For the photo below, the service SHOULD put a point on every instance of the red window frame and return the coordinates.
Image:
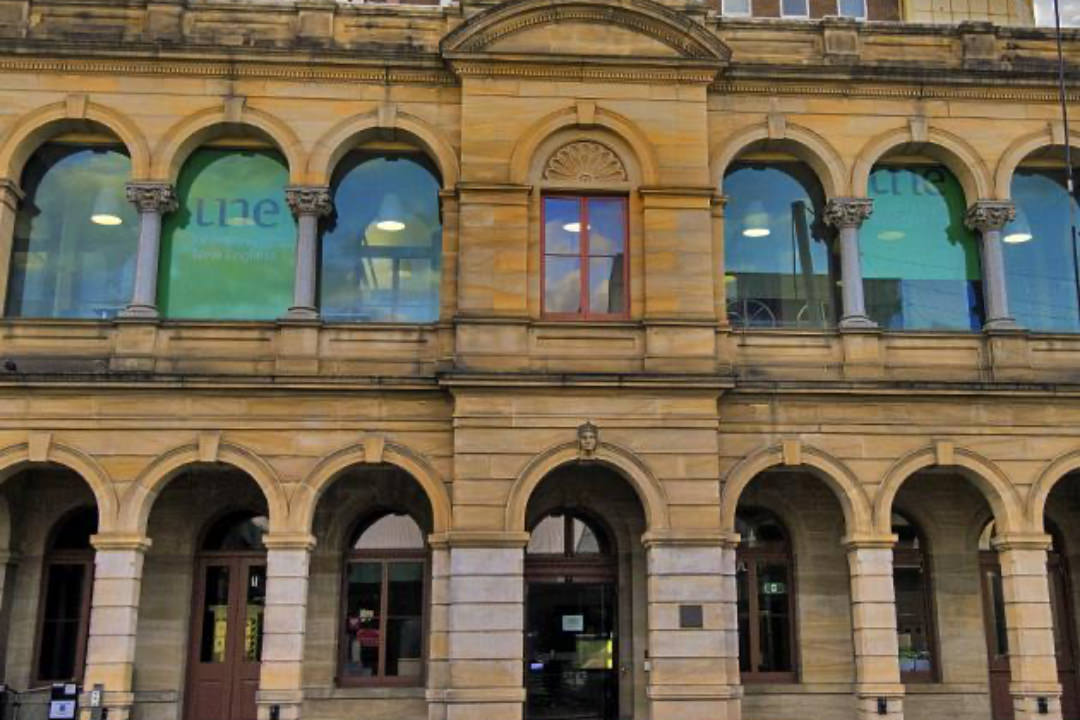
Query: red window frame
(583, 255)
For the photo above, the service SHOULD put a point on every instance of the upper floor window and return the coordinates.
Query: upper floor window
(851, 9)
(228, 251)
(737, 8)
(384, 597)
(795, 8)
(73, 254)
(382, 248)
(920, 263)
(780, 267)
(585, 272)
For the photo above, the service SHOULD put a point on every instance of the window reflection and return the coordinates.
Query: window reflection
(584, 256)
(75, 238)
(765, 606)
(382, 249)
(1040, 251)
(914, 608)
(920, 263)
(780, 270)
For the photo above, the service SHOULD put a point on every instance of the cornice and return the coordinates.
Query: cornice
(898, 90)
(584, 69)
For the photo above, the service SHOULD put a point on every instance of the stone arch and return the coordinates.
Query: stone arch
(34, 128)
(1020, 149)
(624, 462)
(14, 458)
(803, 143)
(138, 500)
(839, 478)
(1004, 501)
(950, 150)
(191, 132)
(332, 146)
(1039, 491)
(625, 132)
(306, 497)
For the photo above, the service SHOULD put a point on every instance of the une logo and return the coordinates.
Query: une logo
(236, 212)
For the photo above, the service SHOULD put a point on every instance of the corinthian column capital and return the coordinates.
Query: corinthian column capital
(152, 197)
(848, 212)
(309, 200)
(984, 215)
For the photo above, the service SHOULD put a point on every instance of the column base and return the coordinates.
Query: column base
(1004, 323)
(858, 322)
(302, 312)
(1030, 705)
(139, 312)
(868, 707)
(287, 702)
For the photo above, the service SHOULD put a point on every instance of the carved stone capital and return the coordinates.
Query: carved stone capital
(10, 193)
(986, 215)
(309, 200)
(848, 212)
(152, 197)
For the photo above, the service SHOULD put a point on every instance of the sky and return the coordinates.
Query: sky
(1070, 12)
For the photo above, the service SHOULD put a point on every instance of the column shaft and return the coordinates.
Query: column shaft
(438, 666)
(288, 562)
(848, 215)
(308, 204)
(989, 217)
(152, 200)
(873, 614)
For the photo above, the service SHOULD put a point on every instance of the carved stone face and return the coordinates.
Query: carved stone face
(588, 437)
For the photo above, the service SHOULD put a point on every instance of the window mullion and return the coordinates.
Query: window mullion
(752, 613)
(583, 248)
(384, 592)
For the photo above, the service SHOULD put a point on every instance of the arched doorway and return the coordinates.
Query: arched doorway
(227, 619)
(584, 597)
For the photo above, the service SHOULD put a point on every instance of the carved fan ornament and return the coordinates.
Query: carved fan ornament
(585, 161)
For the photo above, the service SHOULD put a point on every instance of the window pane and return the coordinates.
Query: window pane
(253, 615)
(391, 532)
(585, 540)
(562, 284)
(773, 617)
(1000, 637)
(382, 249)
(779, 264)
(742, 585)
(562, 226)
(912, 623)
(404, 628)
(362, 610)
(73, 254)
(852, 8)
(736, 7)
(607, 226)
(228, 252)
(215, 623)
(794, 8)
(606, 287)
(62, 621)
(1040, 253)
(920, 264)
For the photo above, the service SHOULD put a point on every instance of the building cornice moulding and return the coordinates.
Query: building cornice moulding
(899, 90)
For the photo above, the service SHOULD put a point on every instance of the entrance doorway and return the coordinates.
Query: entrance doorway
(570, 607)
(227, 620)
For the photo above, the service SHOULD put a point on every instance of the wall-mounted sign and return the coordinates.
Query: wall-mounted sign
(63, 701)
(573, 623)
(773, 588)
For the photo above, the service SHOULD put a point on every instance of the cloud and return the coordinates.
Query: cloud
(1070, 13)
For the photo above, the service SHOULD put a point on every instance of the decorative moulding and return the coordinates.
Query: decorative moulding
(584, 161)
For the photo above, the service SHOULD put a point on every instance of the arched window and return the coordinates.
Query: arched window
(382, 248)
(1041, 253)
(766, 599)
(779, 264)
(228, 251)
(383, 603)
(73, 254)
(67, 580)
(920, 263)
(914, 603)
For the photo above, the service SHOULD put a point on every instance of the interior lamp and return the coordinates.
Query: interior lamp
(391, 214)
(105, 210)
(574, 227)
(756, 221)
(1019, 230)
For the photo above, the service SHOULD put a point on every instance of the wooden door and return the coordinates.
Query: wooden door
(997, 641)
(226, 636)
(1064, 635)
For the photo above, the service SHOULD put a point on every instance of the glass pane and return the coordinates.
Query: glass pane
(736, 7)
(228, 252)
(391, 532)
(382, 249)
(780, 269)
(62, 621)
(404, 628)
(73, 254)
(585, 540)
(549, 536)
(607, 226)
(794, 8)
(1041, 254)
(562, 226)
(363, 600)
(215, 623)
(562, 284)
(912, 623)
(853, 8)
(606, 287)
(920, 263)
(742, 585)
(773, 618)
(253, 617)
(1000, 637)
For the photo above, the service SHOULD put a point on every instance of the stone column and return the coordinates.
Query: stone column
(438, 662)
(847, 216)
(693, 628)
(152, 200)
(10, 197)
(989, 217)
(114, 615)
(1029, 626)
(873, 622)
(308, 203)
(288, 557)
(717, 205)
(485, 628)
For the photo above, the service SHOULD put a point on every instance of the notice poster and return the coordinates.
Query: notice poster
(573, 623)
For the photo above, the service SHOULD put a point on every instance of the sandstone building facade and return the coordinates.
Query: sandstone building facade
(545, 359)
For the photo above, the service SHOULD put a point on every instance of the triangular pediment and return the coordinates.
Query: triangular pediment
(626, 32)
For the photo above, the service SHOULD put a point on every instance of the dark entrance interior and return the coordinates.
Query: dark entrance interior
(571, 628)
